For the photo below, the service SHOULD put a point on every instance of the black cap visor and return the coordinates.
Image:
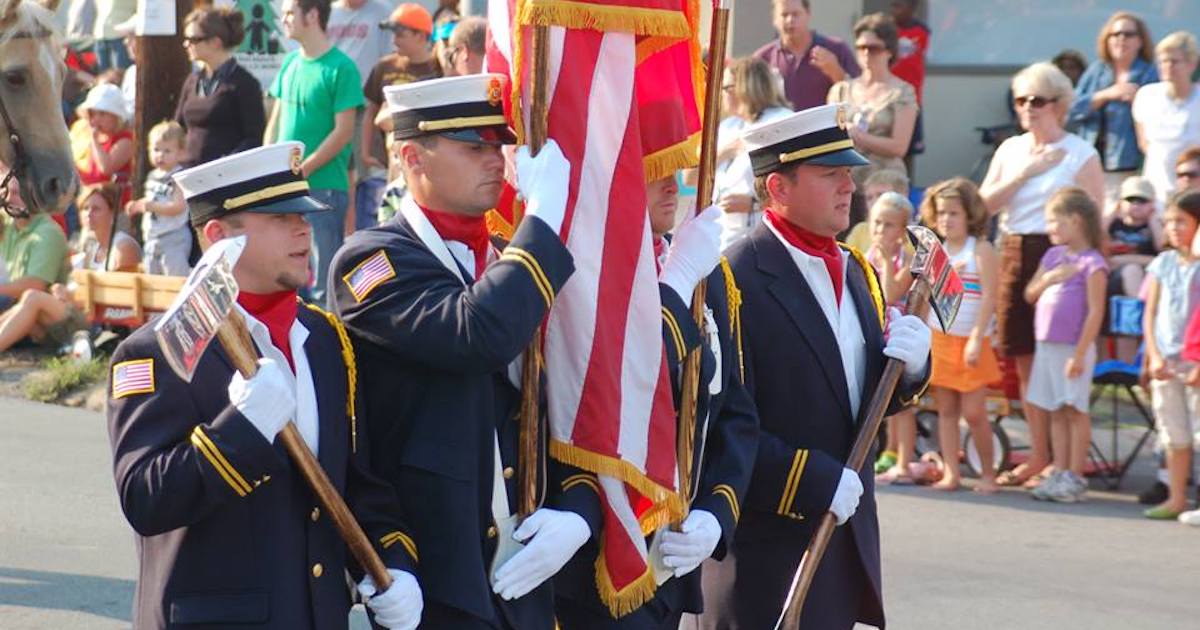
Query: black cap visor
(845, 157)
(303, 204)
(497, 135)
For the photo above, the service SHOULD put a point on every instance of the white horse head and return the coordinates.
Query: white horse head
(31, 80)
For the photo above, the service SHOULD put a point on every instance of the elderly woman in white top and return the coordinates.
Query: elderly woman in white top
(1025, 172)
(751, 95)
(1166, 115)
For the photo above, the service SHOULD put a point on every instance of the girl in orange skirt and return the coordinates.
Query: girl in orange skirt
(963, 360)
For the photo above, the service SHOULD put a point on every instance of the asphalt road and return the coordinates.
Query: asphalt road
(959, 561)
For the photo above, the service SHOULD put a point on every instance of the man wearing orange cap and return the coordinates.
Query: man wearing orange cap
(411, 28)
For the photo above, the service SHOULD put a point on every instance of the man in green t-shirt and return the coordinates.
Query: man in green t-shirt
(33, 253)
(316, 93)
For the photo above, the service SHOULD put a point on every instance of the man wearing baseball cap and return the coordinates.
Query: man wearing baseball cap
(410, 27)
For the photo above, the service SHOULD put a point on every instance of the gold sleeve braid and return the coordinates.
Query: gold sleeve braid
(351, 371)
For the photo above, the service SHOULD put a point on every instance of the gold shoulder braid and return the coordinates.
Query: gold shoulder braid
(733, 299)
(351, 370)
(872, 282)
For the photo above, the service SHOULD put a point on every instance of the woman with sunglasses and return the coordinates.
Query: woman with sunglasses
(1024, 174)
(883, 107)
(1166, 114)
(1101, 113)
(221, 103)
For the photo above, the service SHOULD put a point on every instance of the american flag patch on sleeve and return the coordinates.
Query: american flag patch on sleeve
(369, 274)
(133, 377)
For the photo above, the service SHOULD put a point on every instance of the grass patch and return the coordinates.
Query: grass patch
(59, 376)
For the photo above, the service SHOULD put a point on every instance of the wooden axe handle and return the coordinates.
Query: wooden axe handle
(235, 338)
(916, 304)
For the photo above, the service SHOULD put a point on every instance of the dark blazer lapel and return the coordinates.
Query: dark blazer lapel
(328, 411)
(868, 319)
(791, 290)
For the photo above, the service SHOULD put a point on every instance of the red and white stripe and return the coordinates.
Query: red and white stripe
(608, 388)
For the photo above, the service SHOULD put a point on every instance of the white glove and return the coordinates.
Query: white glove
(267, 400)
(557, 535)
(683, 551)
(908, 340)
(399, 607)
(543, 182)
(695, 251)
(845, 498)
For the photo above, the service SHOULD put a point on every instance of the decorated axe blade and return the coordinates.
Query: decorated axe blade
(206, 299)
(932, 265)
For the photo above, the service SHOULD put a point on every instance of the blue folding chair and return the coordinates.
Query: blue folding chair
(1112, 376)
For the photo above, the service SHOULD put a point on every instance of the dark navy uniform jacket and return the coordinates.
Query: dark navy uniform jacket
(794, 373)
(722, 464)
(434, 355)
(229, 534)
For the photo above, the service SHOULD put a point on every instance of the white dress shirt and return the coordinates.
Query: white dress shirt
(842, 318)
(306, 418)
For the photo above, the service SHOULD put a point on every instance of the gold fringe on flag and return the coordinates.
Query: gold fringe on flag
(664, 162)
(624, 601)
(665, 500)
(608, 18)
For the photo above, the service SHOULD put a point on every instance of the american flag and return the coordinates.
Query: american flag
(132, 377)
(369, 274)
(608, 384)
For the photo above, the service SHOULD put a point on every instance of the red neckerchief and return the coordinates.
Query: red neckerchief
(470, 231)
(277, 311)
(660, 248)
(823, 247)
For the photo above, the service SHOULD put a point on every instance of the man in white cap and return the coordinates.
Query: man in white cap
(439, 313)
(228, 532)
(813, 336)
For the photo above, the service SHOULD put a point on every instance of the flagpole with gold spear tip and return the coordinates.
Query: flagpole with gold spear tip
(718, 39)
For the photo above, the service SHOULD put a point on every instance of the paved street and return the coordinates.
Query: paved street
(960, 561)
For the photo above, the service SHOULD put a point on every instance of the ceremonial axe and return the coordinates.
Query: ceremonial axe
(936, 284)
(204, 310)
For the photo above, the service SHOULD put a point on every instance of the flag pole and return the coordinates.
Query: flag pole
(529, 461)
(717, 41)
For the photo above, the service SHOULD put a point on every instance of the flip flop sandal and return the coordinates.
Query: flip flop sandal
(1160, 513)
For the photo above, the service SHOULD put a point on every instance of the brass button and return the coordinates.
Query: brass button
(316, 514)
(509, 472)
(318, 570)
(491, 532)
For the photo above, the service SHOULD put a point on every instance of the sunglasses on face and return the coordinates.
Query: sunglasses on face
(195, 39)
(1035, 102)
(1136, 200)
(1124, 35)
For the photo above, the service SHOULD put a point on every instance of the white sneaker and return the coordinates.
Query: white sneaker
(1044, 490)
(1065, 490)
(1190, 517)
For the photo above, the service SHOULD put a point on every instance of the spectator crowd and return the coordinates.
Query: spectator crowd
(1095, 198)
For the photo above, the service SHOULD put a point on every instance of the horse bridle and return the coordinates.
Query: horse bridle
(20, 160)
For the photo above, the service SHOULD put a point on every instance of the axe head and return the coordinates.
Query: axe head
(206, 299)
(932, 265)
